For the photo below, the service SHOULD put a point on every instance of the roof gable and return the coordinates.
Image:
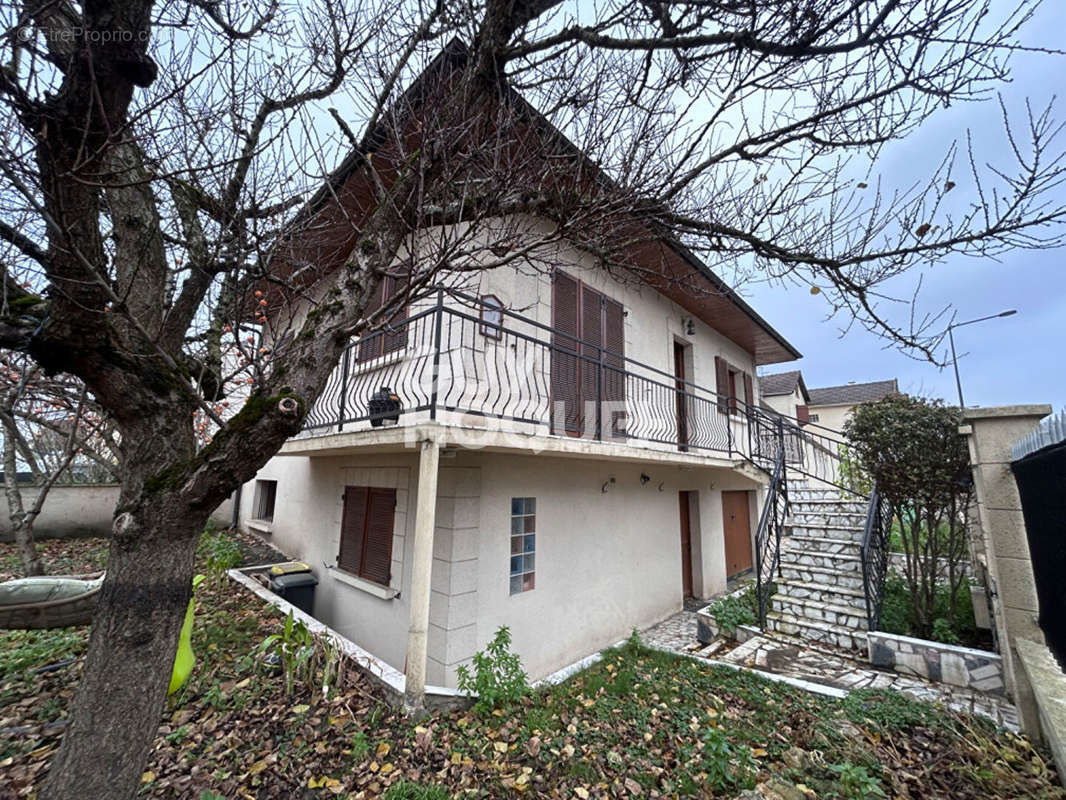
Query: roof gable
(325, 223)
(783, 383)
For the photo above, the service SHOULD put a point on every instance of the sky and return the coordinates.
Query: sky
(1013, 360)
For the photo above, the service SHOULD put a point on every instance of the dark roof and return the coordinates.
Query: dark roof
(768, 346)
(853, 393)
(782, 383)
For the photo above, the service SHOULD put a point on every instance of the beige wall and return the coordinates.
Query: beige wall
(606, 561)
(83, 510)
(832, 417)
(992, 432)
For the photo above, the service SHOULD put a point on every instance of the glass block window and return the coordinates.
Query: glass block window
(523, 543)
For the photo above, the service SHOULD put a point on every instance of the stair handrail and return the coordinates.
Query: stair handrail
(874, 555)
(772, 520)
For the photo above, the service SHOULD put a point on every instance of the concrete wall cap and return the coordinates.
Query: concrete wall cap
(1037, 410)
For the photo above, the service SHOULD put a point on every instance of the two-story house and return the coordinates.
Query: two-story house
(555, 450)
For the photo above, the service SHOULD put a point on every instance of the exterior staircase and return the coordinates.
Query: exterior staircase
(820, 590)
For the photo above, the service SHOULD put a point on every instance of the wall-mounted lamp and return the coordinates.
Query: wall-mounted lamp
(688, 325)
(607, 483)
(644, 478)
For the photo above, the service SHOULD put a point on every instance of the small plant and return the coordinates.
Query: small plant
(734, 610)
(855, 783)
(409, 790)
(296, 648)
(498, 677)
(727, 765)
(178, 735)
(944, 631)
(360, 746)
(221, 552)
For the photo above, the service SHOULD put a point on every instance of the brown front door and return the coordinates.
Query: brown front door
(686, 544)
(737, 532)
(679, 384)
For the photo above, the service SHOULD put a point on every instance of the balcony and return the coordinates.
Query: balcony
(461, 363)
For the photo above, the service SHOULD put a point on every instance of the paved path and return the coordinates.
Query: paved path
(789, 658)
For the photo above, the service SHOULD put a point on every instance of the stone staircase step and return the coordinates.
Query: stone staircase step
(823, 545)
(823, 531)
(801, 555)
(823, 576)
(827, 506)
(836, 519)
(820, 612)
(816, 631)
(845, 596)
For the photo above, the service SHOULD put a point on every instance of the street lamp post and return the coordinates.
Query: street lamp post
(951, 339)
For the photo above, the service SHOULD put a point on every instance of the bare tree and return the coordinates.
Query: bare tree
(178, 239)
(53, 429)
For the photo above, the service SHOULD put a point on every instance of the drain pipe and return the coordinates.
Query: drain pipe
(236, 508)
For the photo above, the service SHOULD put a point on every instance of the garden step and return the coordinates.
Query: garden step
(822, 544)
(810, 630)
(823, 576)
(827, 506)
(822, 531)
(836, 519)
(821, 612)
(802, 556)
(839, 595)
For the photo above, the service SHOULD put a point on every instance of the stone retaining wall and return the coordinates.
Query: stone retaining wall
(1049, 690)
(980, 670)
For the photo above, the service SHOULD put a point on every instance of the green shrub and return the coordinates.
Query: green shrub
(897, 613)
(734, 610)
(855, 783)
(220, 552)
(409, 790)
(498, 678)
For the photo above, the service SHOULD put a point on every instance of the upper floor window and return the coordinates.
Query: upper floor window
(266, 493)
(731, 382)
(812, 417)
(393, 336)
(491, 316)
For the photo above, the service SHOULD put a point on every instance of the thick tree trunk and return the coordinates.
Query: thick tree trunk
(134, 638)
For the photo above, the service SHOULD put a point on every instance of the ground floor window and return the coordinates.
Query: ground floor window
(366, 533)
(266, 493)
(523, 543)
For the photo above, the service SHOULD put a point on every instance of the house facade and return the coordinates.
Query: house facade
(583, 479)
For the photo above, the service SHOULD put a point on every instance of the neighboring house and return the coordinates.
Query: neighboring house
(831, 406)
(785, 393)
(578, 468)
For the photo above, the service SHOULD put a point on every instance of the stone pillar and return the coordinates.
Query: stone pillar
(421, 575)
(991, 433)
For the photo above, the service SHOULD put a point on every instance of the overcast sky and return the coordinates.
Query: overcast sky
(1018, 359)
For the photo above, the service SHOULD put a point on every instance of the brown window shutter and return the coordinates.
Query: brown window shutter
(395, 339)
(721, 374)
(353, 523)
(803, 415)
(591, 332)
(749, 390)
(370, 348)
(614, 341)
(377, 547)
(564, 366)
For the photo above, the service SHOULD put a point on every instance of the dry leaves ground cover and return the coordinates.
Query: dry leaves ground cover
(640, 723)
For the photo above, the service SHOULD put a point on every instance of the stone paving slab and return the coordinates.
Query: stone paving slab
(791, 659)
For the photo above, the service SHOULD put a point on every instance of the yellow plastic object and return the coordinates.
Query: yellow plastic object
(289, 567)
(185, 659)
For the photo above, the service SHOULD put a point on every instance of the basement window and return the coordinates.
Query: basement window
(523, 543)
(266, 493)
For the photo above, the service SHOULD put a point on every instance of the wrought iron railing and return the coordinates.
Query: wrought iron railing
(875, 547)
(450, 359)
(768, 536)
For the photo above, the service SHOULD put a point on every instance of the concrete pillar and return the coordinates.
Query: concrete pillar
(421, 575)
(991, 433)
(712, 544)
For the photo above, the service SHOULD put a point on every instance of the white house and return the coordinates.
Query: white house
(574, 456)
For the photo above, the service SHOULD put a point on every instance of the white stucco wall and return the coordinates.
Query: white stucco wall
(82, 510)
(832, 417)
(606, 562)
